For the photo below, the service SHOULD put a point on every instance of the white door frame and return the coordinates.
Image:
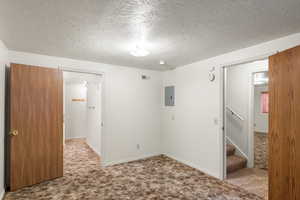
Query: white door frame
(251, 120)
(223, 78)
(223, 153)
(102, 74)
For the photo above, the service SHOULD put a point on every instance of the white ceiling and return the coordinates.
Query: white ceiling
(177, 31)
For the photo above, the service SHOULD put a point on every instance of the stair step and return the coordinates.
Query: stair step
(230, 150)
(235, 163)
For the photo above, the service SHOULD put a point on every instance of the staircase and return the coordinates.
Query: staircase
(234, 162)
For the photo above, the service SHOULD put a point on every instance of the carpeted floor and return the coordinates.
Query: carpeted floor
(154, 178)
(252, 179)
(261, 150)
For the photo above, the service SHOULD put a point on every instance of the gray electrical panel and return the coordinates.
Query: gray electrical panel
(169, 96)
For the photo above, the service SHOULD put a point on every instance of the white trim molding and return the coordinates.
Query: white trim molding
(106, 164)
(237, 148)
(2, 194)
(193, 165)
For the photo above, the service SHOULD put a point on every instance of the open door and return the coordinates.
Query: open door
(36, 124)
(284, 125)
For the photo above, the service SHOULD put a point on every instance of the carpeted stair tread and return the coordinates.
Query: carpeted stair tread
(235, 162)
(230, 150)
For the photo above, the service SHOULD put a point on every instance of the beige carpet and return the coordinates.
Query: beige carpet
(156, 178)
(252, 179)
(261, 150)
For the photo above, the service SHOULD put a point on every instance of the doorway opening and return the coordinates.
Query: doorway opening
(246, 126)
(82, 109)
(261, 118)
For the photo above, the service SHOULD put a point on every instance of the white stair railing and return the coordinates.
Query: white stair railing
(234, 113)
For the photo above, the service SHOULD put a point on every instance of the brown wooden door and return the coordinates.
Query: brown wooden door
(284, 130)
(36, 152)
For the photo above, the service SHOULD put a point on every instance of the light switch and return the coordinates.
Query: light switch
(216, 121)
(173, 117)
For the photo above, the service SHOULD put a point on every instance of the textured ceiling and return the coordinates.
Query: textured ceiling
(177, 31)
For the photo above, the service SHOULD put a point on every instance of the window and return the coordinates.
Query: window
(264, 102)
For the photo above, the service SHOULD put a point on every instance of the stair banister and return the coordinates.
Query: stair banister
(235, 113)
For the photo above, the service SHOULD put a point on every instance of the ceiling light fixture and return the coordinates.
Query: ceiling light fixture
(162, 62)
(139, 52)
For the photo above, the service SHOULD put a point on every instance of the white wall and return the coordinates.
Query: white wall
(260, 119)
(238, 92)
(75, 111)
(191, 131)
(132, 106)
(195, 135)
(3, 62)
(94, 118)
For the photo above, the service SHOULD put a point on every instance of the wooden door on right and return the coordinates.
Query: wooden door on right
(284, 125)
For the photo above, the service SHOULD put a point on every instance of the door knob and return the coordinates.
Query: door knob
(13, 133)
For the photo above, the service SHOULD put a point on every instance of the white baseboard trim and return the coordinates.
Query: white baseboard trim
(94, 149)
(2, 193)
(206, 171)
(239, 151)
(106, 164)
(110, 163)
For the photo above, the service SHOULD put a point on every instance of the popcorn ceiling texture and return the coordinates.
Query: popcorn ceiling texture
(177, 31)
(156, 178)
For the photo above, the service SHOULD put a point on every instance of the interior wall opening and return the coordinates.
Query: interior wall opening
(246, 126)
(83, 109)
